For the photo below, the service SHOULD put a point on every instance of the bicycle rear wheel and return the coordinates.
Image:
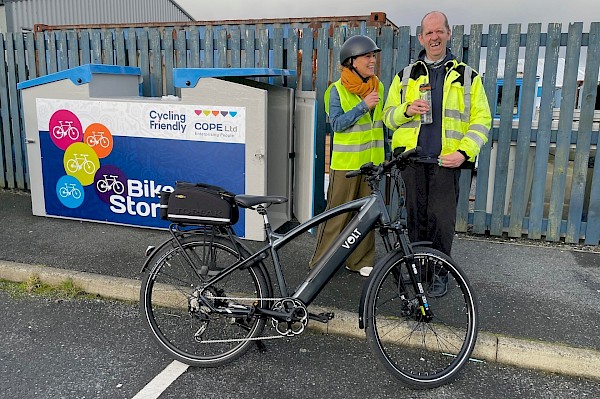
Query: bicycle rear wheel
(186, 327)
(421, 352)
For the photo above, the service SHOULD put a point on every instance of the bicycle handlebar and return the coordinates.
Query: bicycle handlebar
(398, 160)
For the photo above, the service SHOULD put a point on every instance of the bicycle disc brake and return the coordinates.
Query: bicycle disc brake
(297, 320)
(410, 305)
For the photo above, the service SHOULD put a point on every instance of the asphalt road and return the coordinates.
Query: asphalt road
(541, 294)
(100, 349)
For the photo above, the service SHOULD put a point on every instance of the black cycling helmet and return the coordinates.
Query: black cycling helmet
(355, 46)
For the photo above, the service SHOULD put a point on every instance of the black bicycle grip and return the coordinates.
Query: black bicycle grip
(410, 153)
(364, 169)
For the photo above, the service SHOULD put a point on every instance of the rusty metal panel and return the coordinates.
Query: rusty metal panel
(358, 24)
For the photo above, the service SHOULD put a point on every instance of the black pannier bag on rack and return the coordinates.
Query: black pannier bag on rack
(199, 203)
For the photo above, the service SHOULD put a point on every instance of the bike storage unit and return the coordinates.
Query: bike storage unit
(98, 150)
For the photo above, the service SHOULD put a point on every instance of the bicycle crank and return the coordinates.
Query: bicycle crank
(294, 317)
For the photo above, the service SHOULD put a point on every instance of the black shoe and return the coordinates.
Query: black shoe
(439, 286)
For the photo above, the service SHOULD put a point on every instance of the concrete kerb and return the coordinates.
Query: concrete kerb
(106, 286)
(543, 356)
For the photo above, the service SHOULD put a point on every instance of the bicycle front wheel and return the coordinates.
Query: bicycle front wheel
(421, 350)
(192, 331)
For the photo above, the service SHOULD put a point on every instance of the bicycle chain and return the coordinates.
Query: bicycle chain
(245, 299)
(223, 341)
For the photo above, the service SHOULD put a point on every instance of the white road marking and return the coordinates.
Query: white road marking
(162, 381)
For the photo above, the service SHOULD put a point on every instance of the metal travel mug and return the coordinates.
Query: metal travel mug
(425, 90)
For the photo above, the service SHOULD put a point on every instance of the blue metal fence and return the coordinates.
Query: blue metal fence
(536, 178)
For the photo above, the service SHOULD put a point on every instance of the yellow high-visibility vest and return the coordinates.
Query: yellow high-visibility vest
(466, 113)
(362, 142)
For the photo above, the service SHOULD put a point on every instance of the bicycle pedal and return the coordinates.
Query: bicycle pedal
(322, 317)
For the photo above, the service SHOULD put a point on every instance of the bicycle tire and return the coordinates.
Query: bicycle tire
(185, 330)
(421, 353)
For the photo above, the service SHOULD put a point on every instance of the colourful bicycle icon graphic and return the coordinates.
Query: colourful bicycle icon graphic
(80, 161)
(97, 138)
(110, 182)
(66, 129)
(69, 190)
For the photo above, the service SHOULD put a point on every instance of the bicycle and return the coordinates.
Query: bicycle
(69, 190)
(97, 138)
(64, 129)
(206, 297)
(110, 182)
(80, 161)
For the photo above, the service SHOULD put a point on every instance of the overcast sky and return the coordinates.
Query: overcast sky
(403, 13)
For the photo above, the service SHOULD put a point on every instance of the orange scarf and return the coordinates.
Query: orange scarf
(355, 84)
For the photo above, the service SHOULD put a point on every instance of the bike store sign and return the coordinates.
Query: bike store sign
(109, 160)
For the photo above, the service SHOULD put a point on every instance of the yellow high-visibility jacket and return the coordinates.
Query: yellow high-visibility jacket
(362, 142)
(466, 113)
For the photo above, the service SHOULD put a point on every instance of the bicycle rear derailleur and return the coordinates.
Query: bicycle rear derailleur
(294, 317)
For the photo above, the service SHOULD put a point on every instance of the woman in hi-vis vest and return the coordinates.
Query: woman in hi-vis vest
(354, 105)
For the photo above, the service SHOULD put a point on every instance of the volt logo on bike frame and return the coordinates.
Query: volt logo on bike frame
(351, 239)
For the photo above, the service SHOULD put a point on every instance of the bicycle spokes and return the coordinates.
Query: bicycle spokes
(199, 323)
(422, 346)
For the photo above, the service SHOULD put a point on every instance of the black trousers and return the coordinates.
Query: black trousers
(431, 199)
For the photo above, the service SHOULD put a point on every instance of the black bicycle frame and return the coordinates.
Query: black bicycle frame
(369, 212)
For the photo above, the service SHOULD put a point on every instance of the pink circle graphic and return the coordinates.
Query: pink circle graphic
(65, 128)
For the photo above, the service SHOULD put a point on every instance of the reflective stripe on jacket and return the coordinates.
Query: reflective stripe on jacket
(467, 119)
(362, 142)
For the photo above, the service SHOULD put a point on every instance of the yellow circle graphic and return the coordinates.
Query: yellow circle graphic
(81, 162)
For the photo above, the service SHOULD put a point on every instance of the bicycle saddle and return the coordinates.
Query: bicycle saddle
(247, 201)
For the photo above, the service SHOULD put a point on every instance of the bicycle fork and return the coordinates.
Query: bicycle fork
(416, 279)
(414, 304)
(425, 313)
